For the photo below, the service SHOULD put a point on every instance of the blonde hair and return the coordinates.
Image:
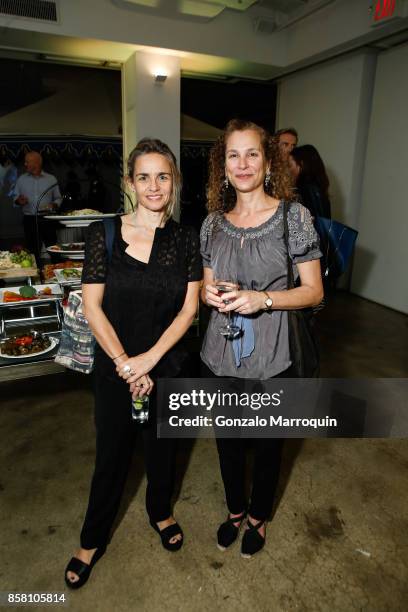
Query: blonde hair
(154, 145)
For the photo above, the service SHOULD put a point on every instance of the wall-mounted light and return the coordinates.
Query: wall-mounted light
(160, 78)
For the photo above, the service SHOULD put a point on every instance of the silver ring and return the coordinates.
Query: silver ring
(131, 372)
(127, 368)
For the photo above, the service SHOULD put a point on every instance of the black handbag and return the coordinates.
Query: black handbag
(303, 347)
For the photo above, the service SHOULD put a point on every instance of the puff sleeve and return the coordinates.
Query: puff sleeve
(303, 238)
(206, 235)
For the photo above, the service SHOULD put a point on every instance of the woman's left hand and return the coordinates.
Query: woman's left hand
(134, 367)
(244, 302)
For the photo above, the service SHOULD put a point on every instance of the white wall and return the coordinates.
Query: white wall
(380, 268)
(330, 106)
(151, 109)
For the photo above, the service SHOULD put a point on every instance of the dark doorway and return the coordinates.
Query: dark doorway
(216, 103)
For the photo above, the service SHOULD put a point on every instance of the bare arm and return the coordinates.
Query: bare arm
(310, 293)
(143, 363)
(92, 296)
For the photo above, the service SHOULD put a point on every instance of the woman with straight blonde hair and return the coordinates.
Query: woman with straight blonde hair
(139, 304)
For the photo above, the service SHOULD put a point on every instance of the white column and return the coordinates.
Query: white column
(149, 108)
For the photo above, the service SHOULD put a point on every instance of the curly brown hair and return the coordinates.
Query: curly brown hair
(221, 198)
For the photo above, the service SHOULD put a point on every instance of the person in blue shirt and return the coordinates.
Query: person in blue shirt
(28, 191)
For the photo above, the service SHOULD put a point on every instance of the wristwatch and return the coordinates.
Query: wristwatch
(268, 302)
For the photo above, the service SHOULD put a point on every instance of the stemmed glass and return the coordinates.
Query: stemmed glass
(229, 330)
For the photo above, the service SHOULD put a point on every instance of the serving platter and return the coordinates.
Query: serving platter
(66, 252)
(63, 280)
(12, 274)
(54, 343)
(79, 220)
(19, 272)
(56, 293)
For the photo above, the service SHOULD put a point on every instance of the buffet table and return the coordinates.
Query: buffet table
(43, 313)
(36, 365)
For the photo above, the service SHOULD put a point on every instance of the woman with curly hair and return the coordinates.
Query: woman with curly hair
(242, 241)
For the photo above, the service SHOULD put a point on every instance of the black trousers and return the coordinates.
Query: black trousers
(115, 439)
(46, 233)
(265, 473)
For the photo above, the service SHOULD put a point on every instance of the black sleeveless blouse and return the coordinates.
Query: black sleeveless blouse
(142, 299)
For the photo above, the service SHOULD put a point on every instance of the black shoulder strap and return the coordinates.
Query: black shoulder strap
(290, 281)
(109, 235)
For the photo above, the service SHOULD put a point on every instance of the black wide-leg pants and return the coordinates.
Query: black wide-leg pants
(115, 439)
(266, 468)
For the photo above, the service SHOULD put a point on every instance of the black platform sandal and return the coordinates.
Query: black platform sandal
(228, 532)
(167, 533)
(81, 569)
(252, 541)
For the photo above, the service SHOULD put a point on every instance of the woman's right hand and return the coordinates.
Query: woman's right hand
(211, 296)
(143, 386)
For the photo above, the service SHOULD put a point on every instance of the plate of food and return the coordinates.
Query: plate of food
(49, 269)
(73, 250)
(17, 264)
(26, 345)
(80, 218)
(69, 276)
(30, 294)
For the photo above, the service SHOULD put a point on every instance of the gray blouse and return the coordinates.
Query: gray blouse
(255, 257)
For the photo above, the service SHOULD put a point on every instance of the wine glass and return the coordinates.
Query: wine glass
(229, 330)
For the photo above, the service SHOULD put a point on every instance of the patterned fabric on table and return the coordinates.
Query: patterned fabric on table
(77, 344)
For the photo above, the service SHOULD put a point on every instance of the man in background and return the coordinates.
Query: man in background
(288, 139)
(28, 190)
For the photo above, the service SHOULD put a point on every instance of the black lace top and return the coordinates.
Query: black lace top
(142, 299)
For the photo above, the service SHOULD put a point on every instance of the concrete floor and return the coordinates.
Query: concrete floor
(338, 540)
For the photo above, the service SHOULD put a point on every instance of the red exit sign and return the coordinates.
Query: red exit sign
(383, 11)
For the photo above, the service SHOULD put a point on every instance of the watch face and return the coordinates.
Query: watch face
(268, 302)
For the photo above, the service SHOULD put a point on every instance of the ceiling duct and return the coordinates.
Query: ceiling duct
(263, 25)
(43, 10)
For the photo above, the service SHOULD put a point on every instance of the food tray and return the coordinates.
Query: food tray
(62, 280)
(54, 343)
(55, 295)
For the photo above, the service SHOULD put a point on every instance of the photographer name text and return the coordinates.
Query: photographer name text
(256, 421)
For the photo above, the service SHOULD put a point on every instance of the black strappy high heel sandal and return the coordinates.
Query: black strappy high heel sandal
(81, 569)
(167, 533)
(252, 541)
(228, 532)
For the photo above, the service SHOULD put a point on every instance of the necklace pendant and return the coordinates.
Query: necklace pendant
(326, 272)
